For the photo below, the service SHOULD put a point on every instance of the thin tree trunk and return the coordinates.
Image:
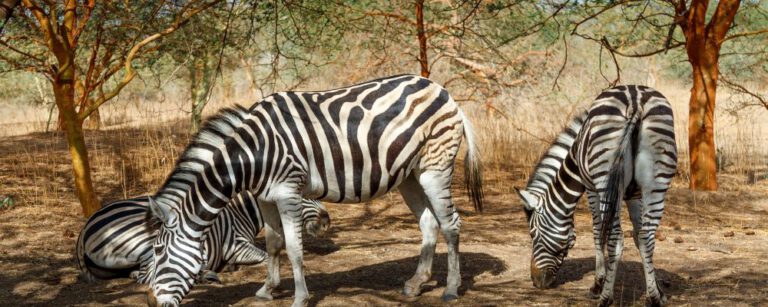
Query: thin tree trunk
(93, 121)
(247, 68)
(64, 92)
(422, 35)
(200, 83)
(701, 136)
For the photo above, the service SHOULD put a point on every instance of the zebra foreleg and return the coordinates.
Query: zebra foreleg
(273, 233)
(597, 287)
(418, 202)
(615, 249)
(437, 187)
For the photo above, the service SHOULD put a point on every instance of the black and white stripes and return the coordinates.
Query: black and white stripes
(623, 147)
(117, 242)
(346, 145)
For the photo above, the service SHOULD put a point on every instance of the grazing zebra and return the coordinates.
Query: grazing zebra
(347, 145)
(623, 147)
(117, 241)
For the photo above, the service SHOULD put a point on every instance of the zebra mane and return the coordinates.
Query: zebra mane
(214, 133)
(551, 161)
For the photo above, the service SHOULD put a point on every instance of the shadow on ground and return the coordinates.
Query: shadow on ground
(383, 280)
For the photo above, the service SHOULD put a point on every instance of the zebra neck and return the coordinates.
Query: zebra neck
(563, 192)
(550, 163)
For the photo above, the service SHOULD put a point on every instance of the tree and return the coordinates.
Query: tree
(704, 31)
(81, 55)
(703, 42)
(473, 40)
(200, 48)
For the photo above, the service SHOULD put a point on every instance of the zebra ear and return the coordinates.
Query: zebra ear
(162, 212)
(530, 201)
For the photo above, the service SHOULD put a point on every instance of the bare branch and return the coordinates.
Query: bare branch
(743, 90)
(136, 50)
(743, 34)
(25, 54)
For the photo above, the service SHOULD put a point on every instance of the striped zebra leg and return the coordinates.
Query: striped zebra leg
(644, 225)
(290, 216)
(597, 287)
(273, 234)
(437, 187)
(615, 249)
(418, 202)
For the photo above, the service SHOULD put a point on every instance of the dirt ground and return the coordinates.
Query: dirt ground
(372, 248)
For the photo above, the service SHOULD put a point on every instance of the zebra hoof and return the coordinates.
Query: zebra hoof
(264, 297)
(656, 301)
(605, 302)
(450, 297)
(597, 288)
(411, 292)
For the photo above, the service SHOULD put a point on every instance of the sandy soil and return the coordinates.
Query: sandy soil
(372, 248)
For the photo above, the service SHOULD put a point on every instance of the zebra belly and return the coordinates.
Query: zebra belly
(114, 260)
(389, 182)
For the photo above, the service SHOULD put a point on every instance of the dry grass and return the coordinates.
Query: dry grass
(512, 135)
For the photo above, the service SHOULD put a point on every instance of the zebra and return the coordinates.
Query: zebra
(117, 242)
(347, 145)
(622, 147)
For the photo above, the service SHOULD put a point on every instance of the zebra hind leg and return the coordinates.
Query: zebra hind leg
(437, 187)
(615, 249)
(597, 287)
(273, 234)
(644, 234)
(418, 202)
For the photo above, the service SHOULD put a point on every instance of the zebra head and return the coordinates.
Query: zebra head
(178, 257)
(551, 237)
(315, 217)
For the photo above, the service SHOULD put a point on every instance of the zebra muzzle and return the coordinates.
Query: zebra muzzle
(542, 279)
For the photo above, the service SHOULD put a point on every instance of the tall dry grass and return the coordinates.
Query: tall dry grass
(145, 129)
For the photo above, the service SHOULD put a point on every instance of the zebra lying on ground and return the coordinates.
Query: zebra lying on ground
(117, 240)
(623, 147)
(347, 145)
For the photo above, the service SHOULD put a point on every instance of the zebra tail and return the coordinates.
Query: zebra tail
(614, 190)
(473, 168)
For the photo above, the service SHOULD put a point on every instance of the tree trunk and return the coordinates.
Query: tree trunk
(702, 43)
(701, 136)
(64, 92)
(200, 85)
(93, 121)
(422, 36)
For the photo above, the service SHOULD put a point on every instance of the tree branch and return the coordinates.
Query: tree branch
(721, 21)
(743, 34)
(741, 89)
(136, 51)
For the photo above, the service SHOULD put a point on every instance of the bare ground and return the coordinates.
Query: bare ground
(372, 248)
